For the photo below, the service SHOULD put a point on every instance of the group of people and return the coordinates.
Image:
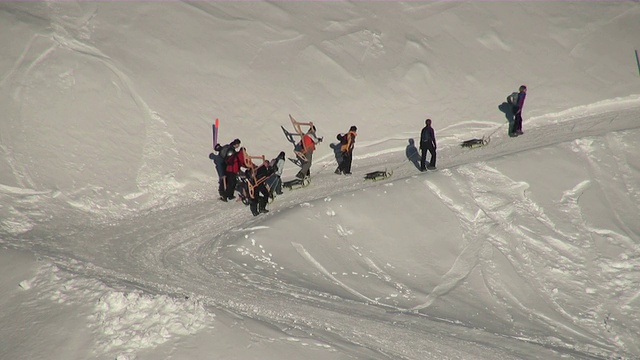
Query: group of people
(307, 145)
(428, 137)
(257, 183)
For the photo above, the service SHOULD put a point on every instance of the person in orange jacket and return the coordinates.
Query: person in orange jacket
(346, 147)
(309, 141)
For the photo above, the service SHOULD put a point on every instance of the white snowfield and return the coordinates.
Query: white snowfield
(113, 244)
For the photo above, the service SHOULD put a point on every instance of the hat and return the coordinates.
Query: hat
(353, 128)
(235, 142)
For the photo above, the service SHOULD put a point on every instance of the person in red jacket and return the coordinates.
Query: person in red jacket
(233, 164)
(309, 141)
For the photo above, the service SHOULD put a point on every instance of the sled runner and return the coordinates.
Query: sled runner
(296, 161)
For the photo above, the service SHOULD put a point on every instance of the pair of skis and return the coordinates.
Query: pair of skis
(215, 127)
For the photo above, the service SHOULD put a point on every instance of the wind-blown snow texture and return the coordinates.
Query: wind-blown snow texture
(114, 245)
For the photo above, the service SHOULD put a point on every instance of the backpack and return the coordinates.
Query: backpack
(274, 164)
(226, 151)
(513, 98)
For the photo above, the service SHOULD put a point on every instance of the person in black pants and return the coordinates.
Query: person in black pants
(347, 143)
(259, 197)
(427, 143)
(517, 110)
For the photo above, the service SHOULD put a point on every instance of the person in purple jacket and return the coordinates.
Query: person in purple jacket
(517, 111)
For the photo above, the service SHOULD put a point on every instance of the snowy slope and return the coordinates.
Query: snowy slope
(114, 245)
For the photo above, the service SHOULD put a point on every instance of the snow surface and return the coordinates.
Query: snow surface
(113, 244)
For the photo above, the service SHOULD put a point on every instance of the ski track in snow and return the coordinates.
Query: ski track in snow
(188, 262)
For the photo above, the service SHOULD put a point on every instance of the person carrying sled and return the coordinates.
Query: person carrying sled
(259, 195)
(308, 146)
(275, 180)
(234, 162)
(427, 143)
(518, 104)
(346, 148)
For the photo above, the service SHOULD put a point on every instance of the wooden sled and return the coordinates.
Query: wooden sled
(299, 132)
(378, 175)
(296, 183)
(474, 143)
(253, 181)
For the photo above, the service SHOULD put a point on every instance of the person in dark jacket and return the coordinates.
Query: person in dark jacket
(347, 143)
(260, 197)
(220, 162)
(275, 181)
(517, 111)
(427, 143)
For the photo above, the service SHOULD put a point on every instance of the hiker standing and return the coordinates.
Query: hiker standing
(517, 111)
(427, 143)
(346, 147)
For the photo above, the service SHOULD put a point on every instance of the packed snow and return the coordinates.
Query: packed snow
(114, 245)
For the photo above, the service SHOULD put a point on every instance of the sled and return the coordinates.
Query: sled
(475, 143)
(296, 183)
(299, 133)
(252, 178)
(378, 175)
